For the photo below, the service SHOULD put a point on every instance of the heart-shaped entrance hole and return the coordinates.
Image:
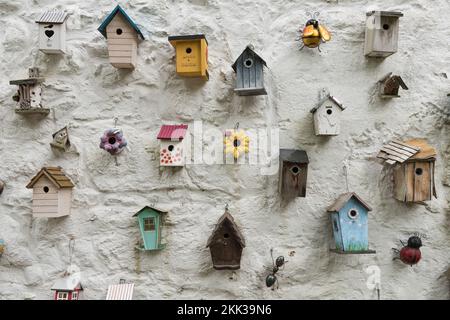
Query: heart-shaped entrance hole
(49, 33)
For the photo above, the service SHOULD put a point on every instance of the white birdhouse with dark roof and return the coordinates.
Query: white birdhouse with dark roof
(52, 32)
(172, 153)
(327, 115)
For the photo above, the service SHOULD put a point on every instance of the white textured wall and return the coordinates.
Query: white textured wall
(85, 91)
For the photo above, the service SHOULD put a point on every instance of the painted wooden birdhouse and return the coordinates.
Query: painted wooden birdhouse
(191, 55)
(389, 86)
(226, 243)
(249, 68)
(29, 95)
(293, 173)
(52, 193)
(52, 32)
(123, 36)
(413, 165)
(172, 153)
(68, 288)
(61, 139)
(349, 217)
(150, 224)
(121, 291)
(382, 33)
(327, 116)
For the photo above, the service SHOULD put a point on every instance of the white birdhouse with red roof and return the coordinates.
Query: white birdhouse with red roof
(172, 153)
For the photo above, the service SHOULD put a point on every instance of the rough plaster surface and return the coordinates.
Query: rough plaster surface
(84, 91)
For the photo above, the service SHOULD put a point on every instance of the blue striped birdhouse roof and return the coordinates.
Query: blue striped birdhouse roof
(111, 16)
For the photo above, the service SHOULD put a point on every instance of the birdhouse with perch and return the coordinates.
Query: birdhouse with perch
(172, 145)
(413, 165)
(390, 85)
(52, 193)
(29, 94)
(249, 73)
(61, 140)
(150, 224)
(349, 217)
(293, 173)
(382, 33)
(327, 115)
(226, 244)
(52, 32)
(191, 55)
(123, 36)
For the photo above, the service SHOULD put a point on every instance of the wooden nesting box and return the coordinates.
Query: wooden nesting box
(226, 243)
(68, 288)
(293, 173)
(327, 116)
(52, 32)
(389, 86)
(350, 217)
(191, 55)
(123, 36)
(61, 139)
(172, 145)
(121, 291)
(150, 225)
(249, 68)
(382, 30)
(52, 193)
(29, 95)
(413, 164)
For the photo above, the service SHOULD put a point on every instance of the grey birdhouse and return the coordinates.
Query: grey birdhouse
(61, 139)
(382, 29)
(293, 173)
(389, 86)
(327, 115)
(249, 73)
(52, 32)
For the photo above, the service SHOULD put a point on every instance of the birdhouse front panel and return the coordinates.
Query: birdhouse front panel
(249, 74)
(354, 229)
(122, 43)
(191, 55)
(414, 181)
(382, 33)
(150, 225)
(45, 198)
(293, 173)
(327, 119)
(52, 32)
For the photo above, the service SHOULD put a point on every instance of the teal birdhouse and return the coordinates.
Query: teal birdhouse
(150, 225)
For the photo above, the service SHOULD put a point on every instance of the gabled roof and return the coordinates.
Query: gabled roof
(55, 175)
(228, 219)
(151, 208)
(122, 291)
(52, 16)
(385, 13)
(397, 151)
(172, 132)
(297, 156)
(343, 199)
(69, 283)
(253, 53)
(111, 16)
(328, 97)
(394, 78)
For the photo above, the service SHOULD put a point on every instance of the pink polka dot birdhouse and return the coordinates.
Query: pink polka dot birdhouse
(172, 153)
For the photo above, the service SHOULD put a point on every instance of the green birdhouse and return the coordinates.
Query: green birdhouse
(150, 225)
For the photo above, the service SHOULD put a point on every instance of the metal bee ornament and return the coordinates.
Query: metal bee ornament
(314, 34)
(410, 253)
(272, 279)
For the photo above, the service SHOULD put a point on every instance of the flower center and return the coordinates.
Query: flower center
(236, 143)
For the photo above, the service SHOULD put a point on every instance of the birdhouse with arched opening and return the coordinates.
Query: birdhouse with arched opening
(249, 73)
(52, 32)
(382, 33)
(293, 173)
(172, 153)
(327, 115)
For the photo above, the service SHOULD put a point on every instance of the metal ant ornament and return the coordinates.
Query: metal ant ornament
(314, 34)
(272, 279)
(410, 254)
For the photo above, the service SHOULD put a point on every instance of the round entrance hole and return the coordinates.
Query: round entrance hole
(353, 214)
(248, 63)
(419, 171)
(119, 31)
(112, 140)
(236, 143)
(386, 26)
(46, 189)
(188, 50)
(226, 235)
(295, 170)
(171, 147)
(329, 112)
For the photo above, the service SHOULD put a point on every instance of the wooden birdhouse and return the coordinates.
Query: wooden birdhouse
(150, 224)
(191, 55)
(68, 288)
(249, 68)
(293, 173)
(29, 95)
(349, 217)
(413, 164)
(226, 244)
(327, 116)
(382, 30)
(52, 193)
(61, 139)
(172, 152)
(390, 85)
(52, 32)
(122, 35)
(121, 291)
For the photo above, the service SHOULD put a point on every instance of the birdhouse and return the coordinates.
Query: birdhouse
(249, 73)
(293, 173)
(150, 225)
(413, 165)
(226, 244)
(2, 247)
(61, 139)
(191, 55)
(382, 29)
(121, 291)
(68, 288)
(390, 85)
(349, 216)
(122, 35)
(172, 145)
(327, 116)
(52, 193)
(52, 32)
(29, 95)
(2, 186)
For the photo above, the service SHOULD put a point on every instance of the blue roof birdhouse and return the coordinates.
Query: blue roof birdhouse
(150, 225)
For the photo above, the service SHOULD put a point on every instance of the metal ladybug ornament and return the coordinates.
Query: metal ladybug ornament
(410, 254)
(314, 33)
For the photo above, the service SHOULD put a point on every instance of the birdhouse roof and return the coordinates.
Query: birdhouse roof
(297, 156)
(228, 219)
(122, 291)
(253, 53)
(395, 78)
(111, 16)
(173, 39)
(172, 132)
(55, 175)
(52, 16)
(151, 208)
(328, 97)
(343, 199)
(385, 13)
(69, 283)
(400, 152)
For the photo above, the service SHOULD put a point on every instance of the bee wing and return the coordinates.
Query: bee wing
(324, 33)
(308, 31)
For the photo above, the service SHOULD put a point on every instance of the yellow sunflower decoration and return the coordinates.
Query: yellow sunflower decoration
(236, 143)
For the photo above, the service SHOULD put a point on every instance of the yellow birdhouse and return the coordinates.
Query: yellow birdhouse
(191, 55)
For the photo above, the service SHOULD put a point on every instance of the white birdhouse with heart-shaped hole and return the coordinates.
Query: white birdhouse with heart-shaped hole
(52, 32)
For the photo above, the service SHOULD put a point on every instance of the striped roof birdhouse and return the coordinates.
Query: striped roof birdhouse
(121, 291)
(389, 86)
(123, 36)
(327, 115)
(172, 137)
(293, 173)
(382, 33)
(249, 68)
(150, 225)
(52, 32)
